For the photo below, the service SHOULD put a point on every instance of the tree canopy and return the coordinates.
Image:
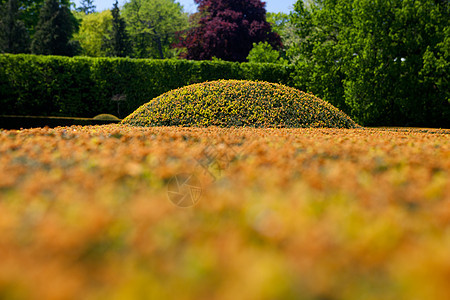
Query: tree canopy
(14, 37)
(86, 7)
(94, 28)
(264, 53)
(29, 13)
(117, 42)
(227, 30)
(54, 30)
(152, 26)
(381, 61)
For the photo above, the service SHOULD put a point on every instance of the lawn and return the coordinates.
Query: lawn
(121, 212)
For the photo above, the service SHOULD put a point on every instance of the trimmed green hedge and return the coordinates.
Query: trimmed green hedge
(84, 87)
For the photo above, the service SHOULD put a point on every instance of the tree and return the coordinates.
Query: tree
(388, 75)
(316, 52)
(14, 37)
(383, 62)
(278, 21)
(264, 53)
(54, 30)
(94, 28)
(29, 13)
(282, 25)
(117, 42)
(87, 7)
(227, 30)
(153, 25)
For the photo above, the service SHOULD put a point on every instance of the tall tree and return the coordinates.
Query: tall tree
(383, 62)
(153, 25)
(54, 30)
(227, 30)
(29, 13)
(316, 52)
(117, 42)
(14, 37)
(389, 75)
(94, 28)
(86, 6)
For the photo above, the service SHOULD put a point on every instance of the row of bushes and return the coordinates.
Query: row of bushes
(85, 87)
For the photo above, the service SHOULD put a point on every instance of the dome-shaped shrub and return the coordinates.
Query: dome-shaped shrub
(228, 103)
(106, 117)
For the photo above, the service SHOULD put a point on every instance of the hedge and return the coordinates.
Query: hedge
(85, 87)
(230, 103)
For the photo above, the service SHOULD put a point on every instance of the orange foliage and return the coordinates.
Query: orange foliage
(283, 213)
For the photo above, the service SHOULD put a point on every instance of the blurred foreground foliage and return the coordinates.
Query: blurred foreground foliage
(283, 213)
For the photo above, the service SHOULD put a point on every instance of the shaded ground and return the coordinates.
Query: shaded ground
(19, 122)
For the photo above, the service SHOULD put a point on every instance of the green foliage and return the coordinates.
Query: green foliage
(263, 52)
(281, 24)
(29, 13)
(93, 28)
(84, 87)
(14, 37)
(86, 7)
(316, 52)
(54, 30)
(152, 25)
(117, 43)
(228, 103)
(386, 79)
(45, 86)
(279, 21)
(383, 62)
(107, 117)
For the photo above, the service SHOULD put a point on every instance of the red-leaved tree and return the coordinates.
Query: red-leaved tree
(227, 30)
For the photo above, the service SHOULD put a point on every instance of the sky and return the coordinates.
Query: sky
(189, 5)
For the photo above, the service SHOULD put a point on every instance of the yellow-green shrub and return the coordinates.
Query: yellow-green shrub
(106, 117)
(238, 103)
